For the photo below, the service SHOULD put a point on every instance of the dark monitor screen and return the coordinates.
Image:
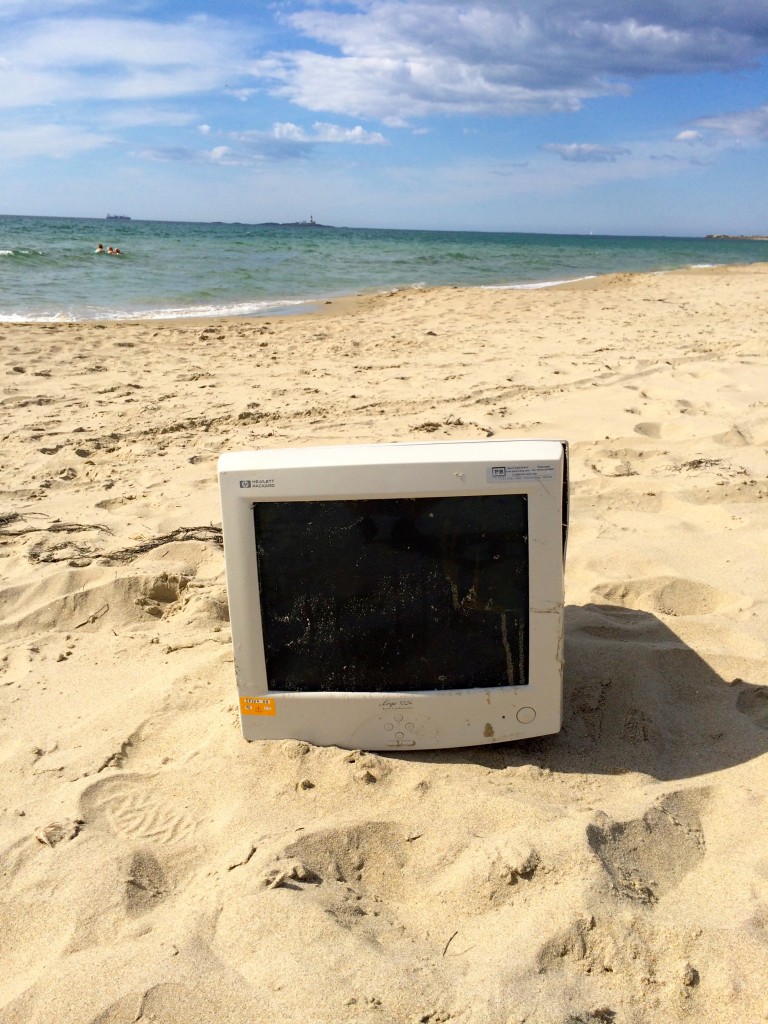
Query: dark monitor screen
(378, 595)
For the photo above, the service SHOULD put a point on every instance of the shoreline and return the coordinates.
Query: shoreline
(184, 859)
(349, 301)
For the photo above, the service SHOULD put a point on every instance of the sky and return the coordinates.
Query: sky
(605, 116)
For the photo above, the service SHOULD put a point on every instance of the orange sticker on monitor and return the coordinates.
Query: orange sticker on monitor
(257, 705)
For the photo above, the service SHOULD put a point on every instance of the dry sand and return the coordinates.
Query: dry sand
(156, 867)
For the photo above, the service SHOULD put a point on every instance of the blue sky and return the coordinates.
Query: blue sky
(618, 116)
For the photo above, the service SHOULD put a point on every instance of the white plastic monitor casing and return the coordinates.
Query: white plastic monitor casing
(400, 719)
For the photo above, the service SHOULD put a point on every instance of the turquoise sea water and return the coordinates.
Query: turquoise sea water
(49, 271)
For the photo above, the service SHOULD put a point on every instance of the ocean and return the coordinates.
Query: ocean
(49, 270)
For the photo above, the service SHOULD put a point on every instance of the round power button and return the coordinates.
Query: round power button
(525, 716)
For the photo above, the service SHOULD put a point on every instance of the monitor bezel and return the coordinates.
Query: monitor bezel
(437, 718)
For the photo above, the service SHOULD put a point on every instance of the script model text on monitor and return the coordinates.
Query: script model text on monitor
(397, 596)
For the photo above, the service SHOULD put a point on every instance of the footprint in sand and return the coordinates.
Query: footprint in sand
(370, 856)
(666, 431)
(647, 857)
(354, 873)
(736, 437)
(163, 595)
(65, 602)
(129, 807)
(614, 467)
(203, 999)
(667, 595)
(743, 491)
(752, 701)
(571, 943)
(145, 884)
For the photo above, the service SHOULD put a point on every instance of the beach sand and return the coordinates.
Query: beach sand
(156, 867)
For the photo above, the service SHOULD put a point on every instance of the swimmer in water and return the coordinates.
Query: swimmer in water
(99, 248)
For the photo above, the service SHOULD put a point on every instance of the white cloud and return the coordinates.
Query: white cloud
(285, 141)
(113, 42)
(738, 129)
(400, 59)
(587, 153)
(11, 8)
(131, 115)
(688, 136)
(73, 59)
(399, 90)
(49, 141)
(241, 94)
(322, 132)
(741, 125)
(221, 155)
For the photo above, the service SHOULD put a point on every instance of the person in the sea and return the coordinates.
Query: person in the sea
(110, 251)
(99, 248)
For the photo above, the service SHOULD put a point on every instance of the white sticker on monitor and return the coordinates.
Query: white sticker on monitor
(518, 472)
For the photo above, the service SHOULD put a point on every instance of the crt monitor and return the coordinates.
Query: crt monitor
(397, 596)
